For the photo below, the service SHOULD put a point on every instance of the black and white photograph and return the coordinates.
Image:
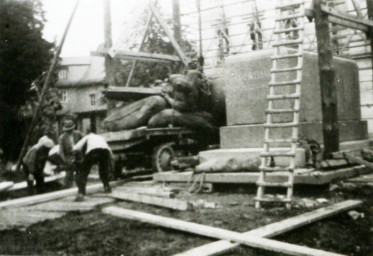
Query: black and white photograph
(186, 127)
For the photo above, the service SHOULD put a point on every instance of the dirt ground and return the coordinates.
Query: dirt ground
(95, 233)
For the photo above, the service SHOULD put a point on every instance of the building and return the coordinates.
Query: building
(231, 27)
(81, 81)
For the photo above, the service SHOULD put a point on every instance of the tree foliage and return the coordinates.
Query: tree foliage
(24, 55)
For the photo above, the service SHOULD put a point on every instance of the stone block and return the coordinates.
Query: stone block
(247, 77)
(300, 157)
(252, 136)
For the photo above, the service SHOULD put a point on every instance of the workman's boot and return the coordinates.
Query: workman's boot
(107, 188)
(79, 197)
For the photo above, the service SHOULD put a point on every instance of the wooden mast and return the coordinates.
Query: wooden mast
(327, 84)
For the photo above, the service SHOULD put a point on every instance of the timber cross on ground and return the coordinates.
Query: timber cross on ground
(32, 213)
(27, 213)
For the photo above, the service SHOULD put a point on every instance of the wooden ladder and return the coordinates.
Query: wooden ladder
(285, 89)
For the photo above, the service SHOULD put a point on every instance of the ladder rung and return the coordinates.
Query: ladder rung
(281, 111)
(286, 30)
(289, 17)
(274, 184)
(283, 97)
(289, 5)
(281, 140)
(272, 199)
(276, 169)
(286, 69)
(268, 154)
(292, 42)
(280, 125)
(287, 56)
(293, 82)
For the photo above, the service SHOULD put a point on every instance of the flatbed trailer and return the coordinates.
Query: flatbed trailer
(152, 147)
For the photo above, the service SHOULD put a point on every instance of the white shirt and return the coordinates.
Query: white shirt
(54, 150)
(93, 141)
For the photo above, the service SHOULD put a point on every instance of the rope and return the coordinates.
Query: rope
(193, 189)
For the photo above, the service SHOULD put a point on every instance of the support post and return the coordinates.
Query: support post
(47, 80)
(169, 34)
(176, 20)
(108, 38)
(327, 85)
(370, 32)
(140, 49)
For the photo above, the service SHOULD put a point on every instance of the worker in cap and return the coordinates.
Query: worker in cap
(33, 163)
(90, 150)
(67, 140)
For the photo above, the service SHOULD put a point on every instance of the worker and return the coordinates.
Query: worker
(90, 150)
(33, 164)
(66, 141)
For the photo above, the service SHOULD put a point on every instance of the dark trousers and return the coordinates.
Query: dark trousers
(39, 179)
(100, 156)
(70, 169)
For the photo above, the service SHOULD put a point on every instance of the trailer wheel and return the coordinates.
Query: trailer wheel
(162, 157)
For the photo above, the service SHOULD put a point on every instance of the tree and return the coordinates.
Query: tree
(24, 55)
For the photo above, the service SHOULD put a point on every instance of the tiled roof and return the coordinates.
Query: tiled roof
(83, 71)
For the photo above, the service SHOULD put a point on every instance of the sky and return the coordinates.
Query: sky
(86, 31)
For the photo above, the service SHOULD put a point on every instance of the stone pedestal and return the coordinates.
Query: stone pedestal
(247, 77)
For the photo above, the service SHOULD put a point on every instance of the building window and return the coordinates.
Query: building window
(62, 74)
(92, 98)
(64, 96)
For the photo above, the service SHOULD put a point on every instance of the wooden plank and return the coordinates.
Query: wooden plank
(23, 217)
(71, 206)
(30, 200)
(23, 184)
(358, 160)
(144, 56)
(314, 178)
(327, 76)
(342, 19)
(131, 93)
(173, 41)
(140, 56)
(171, 203)
(123, 135)
(6, 185)
(274, 229)
(252, 241)
(150, 191)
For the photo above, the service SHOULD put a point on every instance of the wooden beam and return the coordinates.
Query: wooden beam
(176, 20)
(144, 56)
(174, 43)
(274, 229)
(140, 49)
(23, 184)
(170, 203)
(370, 32)
(141, 56)
(108, 38)
(313, 178)
(30, 200)
(327, 83)
(46, 84)
(358, 160)
(252, 241)
(343, 19)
